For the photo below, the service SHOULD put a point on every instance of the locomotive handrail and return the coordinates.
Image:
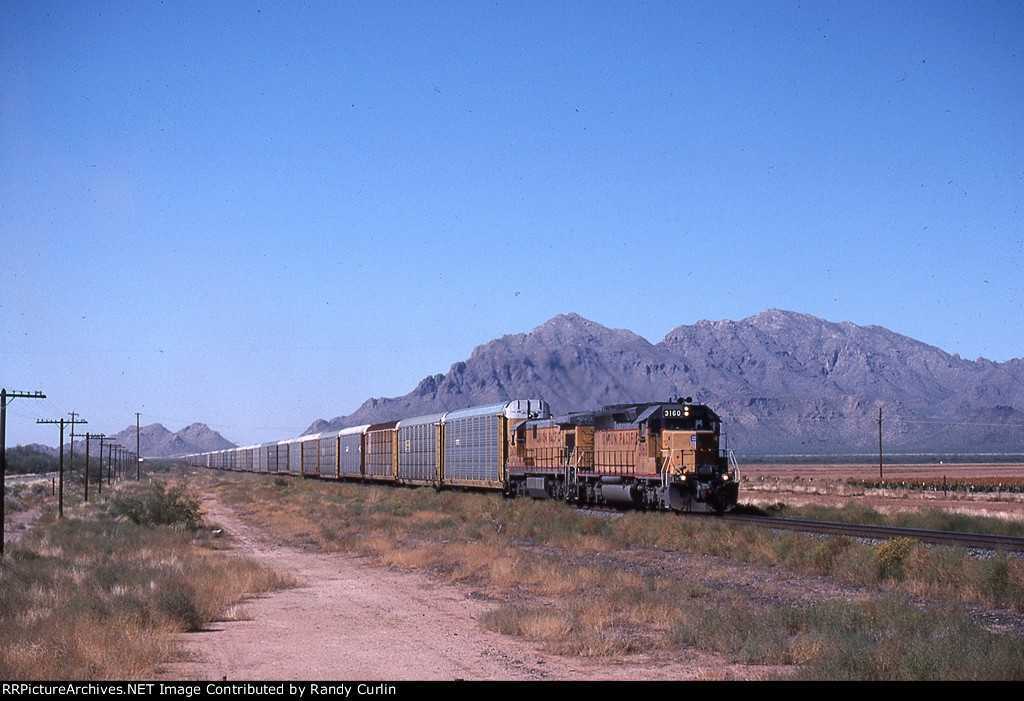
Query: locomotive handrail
(570, 472)
(732, 461)
(614, 459)
(671, 453)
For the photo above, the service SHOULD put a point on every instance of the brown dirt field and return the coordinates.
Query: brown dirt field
(350, 620)
(827, 484)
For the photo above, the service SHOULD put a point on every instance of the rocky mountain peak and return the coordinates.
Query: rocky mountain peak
(576, 330)
(156, 441)
(783, 381)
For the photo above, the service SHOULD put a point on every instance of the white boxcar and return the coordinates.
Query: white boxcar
(289, 456)
(268, 457)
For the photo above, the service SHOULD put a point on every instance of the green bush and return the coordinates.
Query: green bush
(24, 460)
(158, 505)
(890, 557)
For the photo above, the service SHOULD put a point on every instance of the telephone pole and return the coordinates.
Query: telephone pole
(110, 462)
(71, 459)
(60, 475)
(99, 482)
(138, 459)
(879, 443)
(5, 399)
(88, 438)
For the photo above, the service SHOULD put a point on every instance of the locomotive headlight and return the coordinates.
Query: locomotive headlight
(725, 478)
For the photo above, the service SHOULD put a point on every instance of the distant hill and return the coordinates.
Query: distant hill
(155, 441)
(784, 383)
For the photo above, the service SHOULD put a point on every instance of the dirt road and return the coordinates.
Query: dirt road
(350, 621)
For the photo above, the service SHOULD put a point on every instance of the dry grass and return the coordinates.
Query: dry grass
(552, 572)
(95, 597)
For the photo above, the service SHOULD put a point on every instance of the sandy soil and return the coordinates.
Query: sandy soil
(350, 621)
(15, 524)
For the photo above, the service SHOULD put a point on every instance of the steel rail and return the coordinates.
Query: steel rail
(859, 530)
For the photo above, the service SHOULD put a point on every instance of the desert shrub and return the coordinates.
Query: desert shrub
(96, 598)
(890, 557)
(822, 558)
(884, 638)
(889, 638)
(761, 637)
(1000, 580)
(24, 460)
(579, 631)
(530, 622)
(157, 505)
(178, 604)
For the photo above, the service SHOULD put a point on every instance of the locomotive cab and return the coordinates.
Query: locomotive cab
(681, 446)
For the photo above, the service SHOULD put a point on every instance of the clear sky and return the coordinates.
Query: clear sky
(257, 214)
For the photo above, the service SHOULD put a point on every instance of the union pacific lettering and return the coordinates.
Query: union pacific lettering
(622, 438)
(551, 437)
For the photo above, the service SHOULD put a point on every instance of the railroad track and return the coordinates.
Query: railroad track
(856, 530)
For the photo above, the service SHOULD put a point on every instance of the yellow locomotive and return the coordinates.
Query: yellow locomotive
(657, 456)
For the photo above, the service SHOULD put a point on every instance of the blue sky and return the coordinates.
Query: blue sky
(257, 214)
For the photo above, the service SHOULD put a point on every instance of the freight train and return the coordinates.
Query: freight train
(660, 455)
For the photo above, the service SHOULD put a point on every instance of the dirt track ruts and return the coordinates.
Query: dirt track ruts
(352, 621)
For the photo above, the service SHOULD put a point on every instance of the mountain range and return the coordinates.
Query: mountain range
(159, 442)
(155, 441)
(784, 383)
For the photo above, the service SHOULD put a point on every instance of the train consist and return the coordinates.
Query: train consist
(662, 455)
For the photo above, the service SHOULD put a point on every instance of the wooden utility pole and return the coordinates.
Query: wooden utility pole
(99, 482)
(880, 443)
(60, 475)
(5, 398)
(110, 463)
(71, 458)
(138, 461)
(89, 437)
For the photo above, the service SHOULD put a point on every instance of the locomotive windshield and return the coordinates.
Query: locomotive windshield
(672, 416)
